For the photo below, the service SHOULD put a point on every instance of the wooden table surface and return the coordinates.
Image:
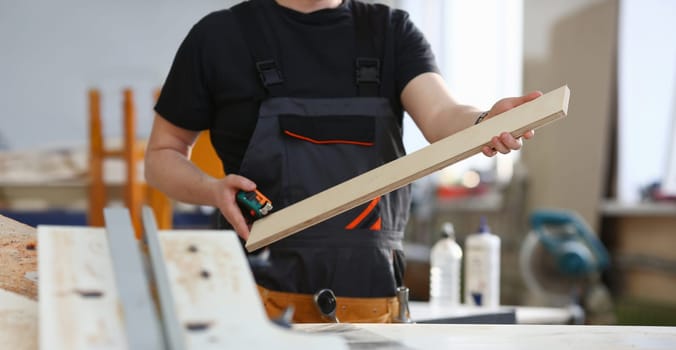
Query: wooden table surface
(19, 329)
(18, 322)
(496, 337)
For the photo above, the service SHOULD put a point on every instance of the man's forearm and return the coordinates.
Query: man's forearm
(172, 173)
(450, 120)
(427, 99)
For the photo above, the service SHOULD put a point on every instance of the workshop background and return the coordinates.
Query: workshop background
(611, 162)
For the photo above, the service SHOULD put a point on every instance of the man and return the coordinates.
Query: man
(300, 95)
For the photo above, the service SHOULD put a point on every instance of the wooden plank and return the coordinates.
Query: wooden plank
(141, 323)
(78, 299)
(18, 322)
(215, 297)
(402, 171)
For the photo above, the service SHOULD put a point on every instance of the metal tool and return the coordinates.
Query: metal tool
(173, 333)
(325, 301)
(561, 262)
(141, 319)
(404, 315)
(254, 204)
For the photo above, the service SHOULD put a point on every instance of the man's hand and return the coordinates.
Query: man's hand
(225, 191)
(505, 142)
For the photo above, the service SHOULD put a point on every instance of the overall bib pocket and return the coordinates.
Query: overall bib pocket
(323, 151)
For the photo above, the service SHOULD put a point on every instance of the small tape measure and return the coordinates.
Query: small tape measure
(254, 204)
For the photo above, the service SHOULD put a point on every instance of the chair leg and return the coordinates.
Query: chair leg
(97, 190)
(161, 204)
(132, 156)
(162, 208)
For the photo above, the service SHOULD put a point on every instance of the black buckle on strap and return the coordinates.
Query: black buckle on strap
(367, 70)
(269, 73)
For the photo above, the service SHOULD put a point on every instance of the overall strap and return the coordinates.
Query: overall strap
(370, 23)
(249, 17)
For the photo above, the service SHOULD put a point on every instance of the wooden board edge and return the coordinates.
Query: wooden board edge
(216, 299)
(18, 321)
(77, 296)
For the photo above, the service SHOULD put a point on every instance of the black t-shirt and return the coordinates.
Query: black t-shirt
(213, 83)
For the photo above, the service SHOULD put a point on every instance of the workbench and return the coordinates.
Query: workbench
(43, 179)
(19, 320)
(19, 316)
(495, 337)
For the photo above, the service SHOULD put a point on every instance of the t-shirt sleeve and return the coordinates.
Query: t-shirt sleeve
(413, 53)
(184, 99)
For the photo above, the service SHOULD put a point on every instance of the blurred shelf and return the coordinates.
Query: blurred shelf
(180, 220)
(615, 208)
(424, 312)
(490, 201)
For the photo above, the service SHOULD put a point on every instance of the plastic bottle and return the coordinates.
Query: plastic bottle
(482, 268)
(445, 260)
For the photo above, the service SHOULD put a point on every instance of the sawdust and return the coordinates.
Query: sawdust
(18, 257)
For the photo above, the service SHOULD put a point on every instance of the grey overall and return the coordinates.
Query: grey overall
(302, 146)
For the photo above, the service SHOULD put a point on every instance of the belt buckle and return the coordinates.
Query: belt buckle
(325, 301)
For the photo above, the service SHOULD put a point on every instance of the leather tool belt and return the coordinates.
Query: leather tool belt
(352, 310)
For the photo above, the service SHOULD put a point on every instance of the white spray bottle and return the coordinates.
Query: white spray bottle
(482, 268)
(445, 261)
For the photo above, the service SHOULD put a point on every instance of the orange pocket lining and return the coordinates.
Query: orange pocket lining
(363, 214)
(323, 142)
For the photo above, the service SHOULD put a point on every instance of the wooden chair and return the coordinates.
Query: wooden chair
(205, 157)
(136, 192)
